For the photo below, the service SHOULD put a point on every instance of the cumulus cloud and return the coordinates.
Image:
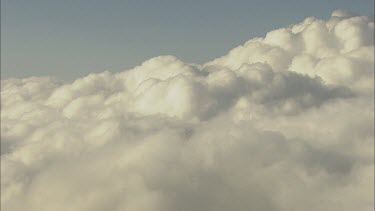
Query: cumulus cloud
(281, 123)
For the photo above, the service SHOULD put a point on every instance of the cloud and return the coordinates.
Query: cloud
(283, 122)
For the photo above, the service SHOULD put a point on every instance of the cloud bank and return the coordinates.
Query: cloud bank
(281, 123)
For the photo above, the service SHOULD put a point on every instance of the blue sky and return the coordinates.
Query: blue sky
(70, 38)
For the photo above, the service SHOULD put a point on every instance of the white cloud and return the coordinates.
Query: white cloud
(284, 122)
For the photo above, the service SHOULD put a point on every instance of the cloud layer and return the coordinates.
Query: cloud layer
(281, 123)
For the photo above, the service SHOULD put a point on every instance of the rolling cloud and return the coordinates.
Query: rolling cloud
(281, 123)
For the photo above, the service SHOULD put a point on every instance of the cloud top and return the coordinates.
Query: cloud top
(283, 122)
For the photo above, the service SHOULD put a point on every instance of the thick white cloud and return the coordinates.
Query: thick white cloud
(284, 122)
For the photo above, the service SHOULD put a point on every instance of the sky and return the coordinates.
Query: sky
(69, 39)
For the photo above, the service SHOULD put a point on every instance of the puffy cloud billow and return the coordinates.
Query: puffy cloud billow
(281, 123)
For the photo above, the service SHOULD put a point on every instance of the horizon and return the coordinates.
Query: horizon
(72, 39)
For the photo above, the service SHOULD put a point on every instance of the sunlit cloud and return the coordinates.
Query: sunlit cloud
(284, 122)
